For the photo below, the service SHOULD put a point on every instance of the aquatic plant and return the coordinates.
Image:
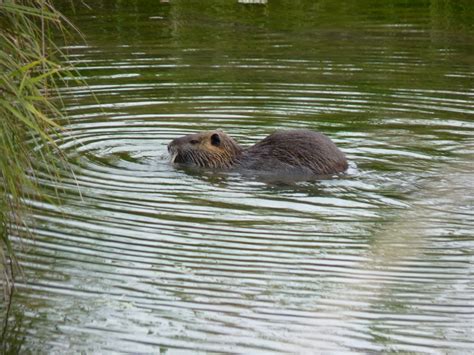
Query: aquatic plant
(30, 116)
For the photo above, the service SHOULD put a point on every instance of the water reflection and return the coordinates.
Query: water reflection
(252, 1)
(151, 257)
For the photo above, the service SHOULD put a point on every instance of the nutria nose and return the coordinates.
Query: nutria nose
(171, 144)
(177, 142)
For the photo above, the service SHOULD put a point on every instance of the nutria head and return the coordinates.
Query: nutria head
(210, 149)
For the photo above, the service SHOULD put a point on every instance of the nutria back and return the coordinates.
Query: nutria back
(295, 151)
(307, 151)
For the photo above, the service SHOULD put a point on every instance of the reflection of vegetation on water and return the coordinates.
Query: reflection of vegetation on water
(30, 112)
(442, 14)
(338, 33)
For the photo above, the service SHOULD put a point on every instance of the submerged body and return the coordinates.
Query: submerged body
(295, 151)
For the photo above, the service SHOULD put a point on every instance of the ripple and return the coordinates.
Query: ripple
(150, 257)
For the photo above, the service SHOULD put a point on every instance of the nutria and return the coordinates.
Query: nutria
(301, 151)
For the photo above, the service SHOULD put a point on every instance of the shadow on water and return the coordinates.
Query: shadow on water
(153, 257)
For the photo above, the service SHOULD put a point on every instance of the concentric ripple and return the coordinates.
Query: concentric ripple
(143, 256)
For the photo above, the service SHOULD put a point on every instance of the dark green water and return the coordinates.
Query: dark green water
(151, 258)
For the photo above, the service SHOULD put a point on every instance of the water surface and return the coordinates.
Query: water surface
(151, 258)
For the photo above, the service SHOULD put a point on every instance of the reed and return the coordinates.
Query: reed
(30, 116)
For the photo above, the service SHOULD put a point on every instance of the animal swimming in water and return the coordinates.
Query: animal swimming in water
(302, 151)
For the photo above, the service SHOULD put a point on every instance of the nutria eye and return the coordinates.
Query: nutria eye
(215, 139)
(193, 141)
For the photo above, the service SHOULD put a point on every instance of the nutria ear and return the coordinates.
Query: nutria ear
(215, 139)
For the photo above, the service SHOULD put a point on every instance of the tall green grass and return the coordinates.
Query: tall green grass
(30, 109)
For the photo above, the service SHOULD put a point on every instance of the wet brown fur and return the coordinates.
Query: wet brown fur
(197, 149)
(303, 151)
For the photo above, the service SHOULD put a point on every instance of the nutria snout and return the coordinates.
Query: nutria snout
(291, 151)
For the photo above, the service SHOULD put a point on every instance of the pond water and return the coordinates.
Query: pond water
(151, 258)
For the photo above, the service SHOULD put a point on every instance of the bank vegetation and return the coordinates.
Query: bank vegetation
(30, 116)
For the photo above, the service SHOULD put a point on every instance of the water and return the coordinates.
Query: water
(151, 258)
